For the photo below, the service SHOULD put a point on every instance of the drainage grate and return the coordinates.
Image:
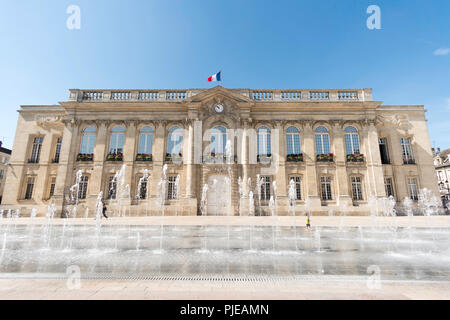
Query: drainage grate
(146, 277)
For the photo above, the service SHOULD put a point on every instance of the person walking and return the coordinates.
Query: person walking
(308, 222)
(104, 211)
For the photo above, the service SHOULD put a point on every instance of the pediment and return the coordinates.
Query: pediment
(218, 93)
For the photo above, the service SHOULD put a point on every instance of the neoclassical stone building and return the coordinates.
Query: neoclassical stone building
(338, 146)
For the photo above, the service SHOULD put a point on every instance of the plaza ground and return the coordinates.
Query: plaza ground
(313, 287)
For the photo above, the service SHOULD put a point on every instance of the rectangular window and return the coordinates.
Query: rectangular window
(82, 188)
(174, 143)
(57, 150)
(322, 144)
(172, 192)
(357, 188)
(408, 157)
(325, 183)
(112, 187)
(293, 143)
(384, 153)
(36, 150)
(142, 188)
(413, 189)
(265, 188)
(52, 187)
(29, 188)
(298, 187)
(145, 143)
(389, 187)
(264, 143)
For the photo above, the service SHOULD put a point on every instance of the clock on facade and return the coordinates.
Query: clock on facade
(219, 108)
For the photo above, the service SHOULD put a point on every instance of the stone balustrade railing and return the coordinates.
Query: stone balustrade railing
(278, 95)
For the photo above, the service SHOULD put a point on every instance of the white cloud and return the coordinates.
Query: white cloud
(441, 52)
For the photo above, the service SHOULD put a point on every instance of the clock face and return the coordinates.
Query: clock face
(219, 108)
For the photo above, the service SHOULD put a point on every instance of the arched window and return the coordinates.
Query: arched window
(175, 140)
(117, 139)
(351, 140)
(292, 141)
(218, 139)
(145, 140)
(264, 141)
(322, 140)
(88, 140)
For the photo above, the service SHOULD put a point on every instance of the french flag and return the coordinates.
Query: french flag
(215, 77)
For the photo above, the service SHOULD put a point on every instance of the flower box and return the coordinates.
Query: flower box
(325, 157)
(173, 157)
(355, 158)
(114, 157)
(409, 161)
(264, 158)
(294, 157)
(85, 157)
(144, 157)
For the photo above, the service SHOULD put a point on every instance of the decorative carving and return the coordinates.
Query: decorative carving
(48, 122)
(230, 109)
(400, 121)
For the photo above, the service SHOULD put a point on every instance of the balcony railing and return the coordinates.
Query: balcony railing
(120, 95)
(85, 157)
(264, 158)
(408, 161)
(144, 157)
(294, 157)
(259, 95)
(325, 157)
(173, 157)
(148, 95)
(114, 157)
(319, 95)
(35, 160)
(355, 158)
(218, 158)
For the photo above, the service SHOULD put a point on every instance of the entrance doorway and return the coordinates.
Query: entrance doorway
(219, 195)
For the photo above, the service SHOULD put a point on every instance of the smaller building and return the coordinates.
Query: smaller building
(5, 154)
(442, 164)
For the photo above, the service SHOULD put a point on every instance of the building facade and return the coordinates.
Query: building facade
(338, 147)
(5, 154)
(442, 164)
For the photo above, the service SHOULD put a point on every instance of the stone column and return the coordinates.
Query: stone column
(129, 154)
(190, 161)
(44, 160)
(342, 182)
(158, 161)
(280, 176)
(243, 203)
(309, 157)
(67, 158)
(401, 188)
(373, 158)
(244, 154)
(95, 181)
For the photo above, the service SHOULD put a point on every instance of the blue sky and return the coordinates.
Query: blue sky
(257, 44)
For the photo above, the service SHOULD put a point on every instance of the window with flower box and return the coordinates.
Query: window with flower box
(293, 149)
